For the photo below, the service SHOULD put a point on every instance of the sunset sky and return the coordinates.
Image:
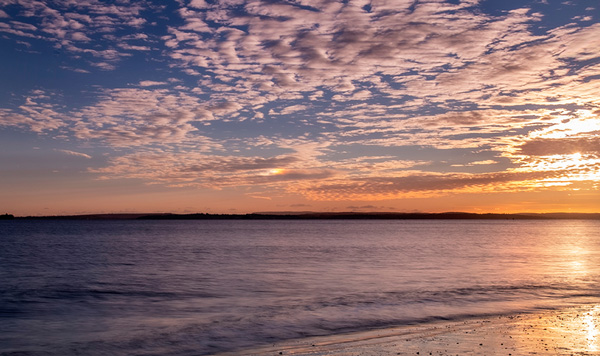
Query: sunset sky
(236, 106)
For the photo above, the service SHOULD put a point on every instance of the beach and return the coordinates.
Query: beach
(569, 331)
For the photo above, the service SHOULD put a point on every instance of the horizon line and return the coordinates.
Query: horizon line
(310, 215)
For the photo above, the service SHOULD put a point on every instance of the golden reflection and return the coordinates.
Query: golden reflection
(590, 323)
(577, 259)
(566, 332)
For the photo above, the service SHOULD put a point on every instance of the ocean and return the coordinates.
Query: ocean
(127, 287)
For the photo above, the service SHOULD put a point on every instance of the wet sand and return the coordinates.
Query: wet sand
(571, 331)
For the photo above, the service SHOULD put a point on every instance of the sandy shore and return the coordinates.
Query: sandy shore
(571, 331)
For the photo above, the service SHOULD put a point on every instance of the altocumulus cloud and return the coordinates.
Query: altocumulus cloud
(355, 100)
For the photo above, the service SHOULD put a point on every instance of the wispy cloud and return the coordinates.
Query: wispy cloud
(73, 153)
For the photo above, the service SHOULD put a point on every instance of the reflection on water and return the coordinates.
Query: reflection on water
(591, 322)
(578, 331)
(577, 252)
(562, 332)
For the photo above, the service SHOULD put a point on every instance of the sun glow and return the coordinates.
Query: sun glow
(585, 121)
(276, 171)
(574, 167)
(559, 162)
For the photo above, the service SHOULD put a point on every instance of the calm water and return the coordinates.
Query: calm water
(199, 287)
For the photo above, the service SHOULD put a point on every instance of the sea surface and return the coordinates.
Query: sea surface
(201, 287)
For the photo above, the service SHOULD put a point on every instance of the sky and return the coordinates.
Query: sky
(237, 106)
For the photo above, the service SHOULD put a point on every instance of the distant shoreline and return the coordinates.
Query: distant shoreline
(322, 216)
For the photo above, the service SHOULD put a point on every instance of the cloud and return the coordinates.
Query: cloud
(561, 146)
(363, 207)
(77, 70)
(73, 153)
(198, 4)
(300, 206)
(121, 117)
(23, 26)
(104, 66)
(290, 109)
(209, 170)
(423, 185)
(348, 101)
(151, 83)
(233, 164)
(476, 163)
(80, 36)
(37, 113)
(125, 117)
(71, 25)
(454, 53)
(126, 46)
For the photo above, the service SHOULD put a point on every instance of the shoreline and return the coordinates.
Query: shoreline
(567, 331)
